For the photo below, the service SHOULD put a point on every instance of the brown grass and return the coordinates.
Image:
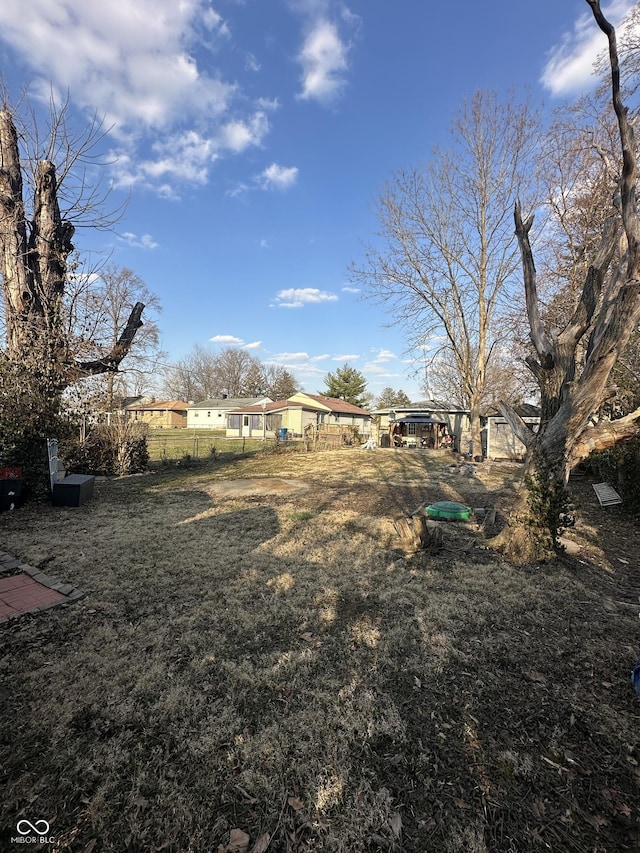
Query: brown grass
(268, 661)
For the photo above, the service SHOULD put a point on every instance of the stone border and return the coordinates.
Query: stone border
(9, 563)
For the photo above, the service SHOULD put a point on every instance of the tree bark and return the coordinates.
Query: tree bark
(606, 314)
(33, 263)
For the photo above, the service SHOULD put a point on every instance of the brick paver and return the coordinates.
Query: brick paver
(30, 590)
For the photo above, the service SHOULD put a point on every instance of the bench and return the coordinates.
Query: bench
(67, 490)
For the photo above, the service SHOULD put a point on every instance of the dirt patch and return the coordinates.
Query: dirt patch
(251, 487)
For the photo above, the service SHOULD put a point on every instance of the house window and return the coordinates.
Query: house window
(196, 414)
(245, 420)
(411, 429)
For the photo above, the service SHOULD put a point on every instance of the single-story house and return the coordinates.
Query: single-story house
(164, 414)
(299, 414)
(212, 414)
(498, 439)
(421, 422)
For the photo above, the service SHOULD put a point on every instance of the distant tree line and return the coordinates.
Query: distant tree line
(234, 372)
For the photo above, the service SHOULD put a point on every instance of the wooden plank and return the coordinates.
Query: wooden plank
(606, 494)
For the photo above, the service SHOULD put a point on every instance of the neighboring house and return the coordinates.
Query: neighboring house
(423, 419)
(212, 414)
(298, 414)
(167, 414)
(498, 439)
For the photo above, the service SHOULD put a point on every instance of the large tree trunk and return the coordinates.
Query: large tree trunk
(33, 263)
(607, 313)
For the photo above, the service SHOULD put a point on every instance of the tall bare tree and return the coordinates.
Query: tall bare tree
(572, 364)
(44, 194)
(234, 372)
(96, 307)
(448, 251)
(36, 242)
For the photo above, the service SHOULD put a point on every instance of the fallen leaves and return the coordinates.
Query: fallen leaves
(238, 842)
(262, 844)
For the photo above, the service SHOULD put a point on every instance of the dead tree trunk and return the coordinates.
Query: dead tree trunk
(34, 249)
(607, 313)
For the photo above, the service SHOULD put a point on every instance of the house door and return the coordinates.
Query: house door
(246, 426)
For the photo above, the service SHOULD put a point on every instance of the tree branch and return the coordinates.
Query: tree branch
(519, 427)
(629, 177)
(605, 434)
(109, 363)
(540, 340)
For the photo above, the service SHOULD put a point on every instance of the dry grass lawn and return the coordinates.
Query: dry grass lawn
(257, 667)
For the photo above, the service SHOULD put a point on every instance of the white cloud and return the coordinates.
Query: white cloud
(569, 66)
(145, 241)
(345, 357)
(290, 356)
(228, 340)
(238, 135)
(383, 355)
(297, 297)
(351, 290)
(376, 368)
(233, 341)
(323, 58)
(251, 63)
(300, 363)
(134, 61)
(278, 177)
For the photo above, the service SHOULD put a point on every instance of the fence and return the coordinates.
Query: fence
(171, 444)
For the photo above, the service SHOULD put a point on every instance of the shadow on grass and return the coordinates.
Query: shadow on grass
(244, 664)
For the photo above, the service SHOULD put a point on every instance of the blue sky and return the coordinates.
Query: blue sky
(253, 137)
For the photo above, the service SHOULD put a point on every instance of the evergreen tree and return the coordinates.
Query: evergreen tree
(346, 383)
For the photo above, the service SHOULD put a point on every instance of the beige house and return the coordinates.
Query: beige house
(212, 414)
(299, 415)
(164, 414)
(498, 439)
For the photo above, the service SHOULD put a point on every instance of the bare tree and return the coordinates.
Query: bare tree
(232, 372)
(388, 398)
(278, 382)
(572, 364)
(36, 242)
(96, 308)
(449, 251)
(505, 381)
(44, 195)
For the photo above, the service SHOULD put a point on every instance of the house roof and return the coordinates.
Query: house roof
(225, 402)
(160, 406)
(337, 405)
(524, 410)
(302, 400)
(422, 406)
(417, 419)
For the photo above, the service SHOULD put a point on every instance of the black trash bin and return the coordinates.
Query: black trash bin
(10, 493)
